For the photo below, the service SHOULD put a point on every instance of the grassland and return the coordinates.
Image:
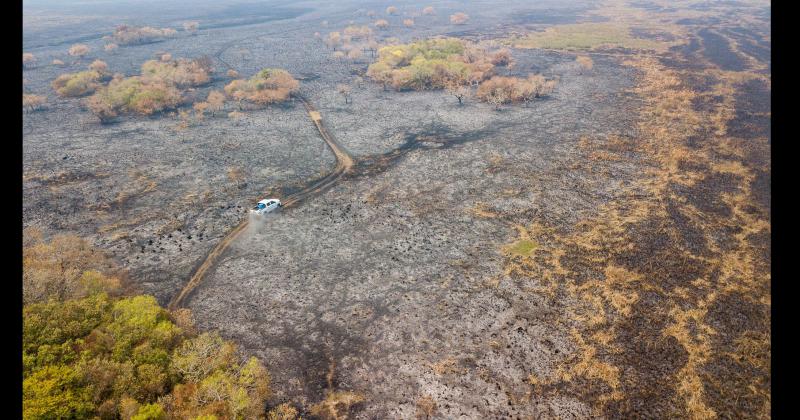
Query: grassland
(585, 36)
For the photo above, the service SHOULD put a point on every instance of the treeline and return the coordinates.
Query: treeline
(89, 352)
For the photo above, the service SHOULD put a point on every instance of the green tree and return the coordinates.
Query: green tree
(55, 392)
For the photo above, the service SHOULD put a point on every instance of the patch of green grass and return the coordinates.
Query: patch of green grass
(584, 36)
(523, 247)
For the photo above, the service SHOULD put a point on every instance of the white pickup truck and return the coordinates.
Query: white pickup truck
(266, 205)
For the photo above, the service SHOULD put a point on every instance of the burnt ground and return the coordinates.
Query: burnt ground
(643, 187)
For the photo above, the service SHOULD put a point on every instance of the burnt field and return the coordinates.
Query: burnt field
(600, 252)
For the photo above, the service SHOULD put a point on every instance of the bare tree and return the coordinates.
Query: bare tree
(28, 59)
(333, 40)
(111, 48)
(191, 27)
(391, 10)
(345, 91)
(458, 89)
(354, 54)
(382, 24)
(408, 23)
(216, 100)
(237, 175)
(428, 11)
(99, 66)
(372, 47)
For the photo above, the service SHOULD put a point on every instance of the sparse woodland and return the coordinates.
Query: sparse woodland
(157, 88)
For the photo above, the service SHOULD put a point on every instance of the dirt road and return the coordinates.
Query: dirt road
(344, 163)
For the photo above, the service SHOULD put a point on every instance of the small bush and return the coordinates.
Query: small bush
(459, 18)
(283, 412)
(502, 57)
(77, 84)
(584, 62)
(336, 405)
(78, 50)
(99, 66)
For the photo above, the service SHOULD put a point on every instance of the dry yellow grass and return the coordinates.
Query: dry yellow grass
(336, 405)
(598, 305)
(426, 407)
(446, 366)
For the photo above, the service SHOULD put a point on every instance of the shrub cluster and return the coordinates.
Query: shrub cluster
(131, 35)
(136, 94)
(155, 90)
(351, 41)
(430, 64)
(266, 87)
(32, 102)
(28, 59)
(181, 73)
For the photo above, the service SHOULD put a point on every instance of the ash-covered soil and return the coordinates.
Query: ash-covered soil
(389, 273)
(641, 188)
